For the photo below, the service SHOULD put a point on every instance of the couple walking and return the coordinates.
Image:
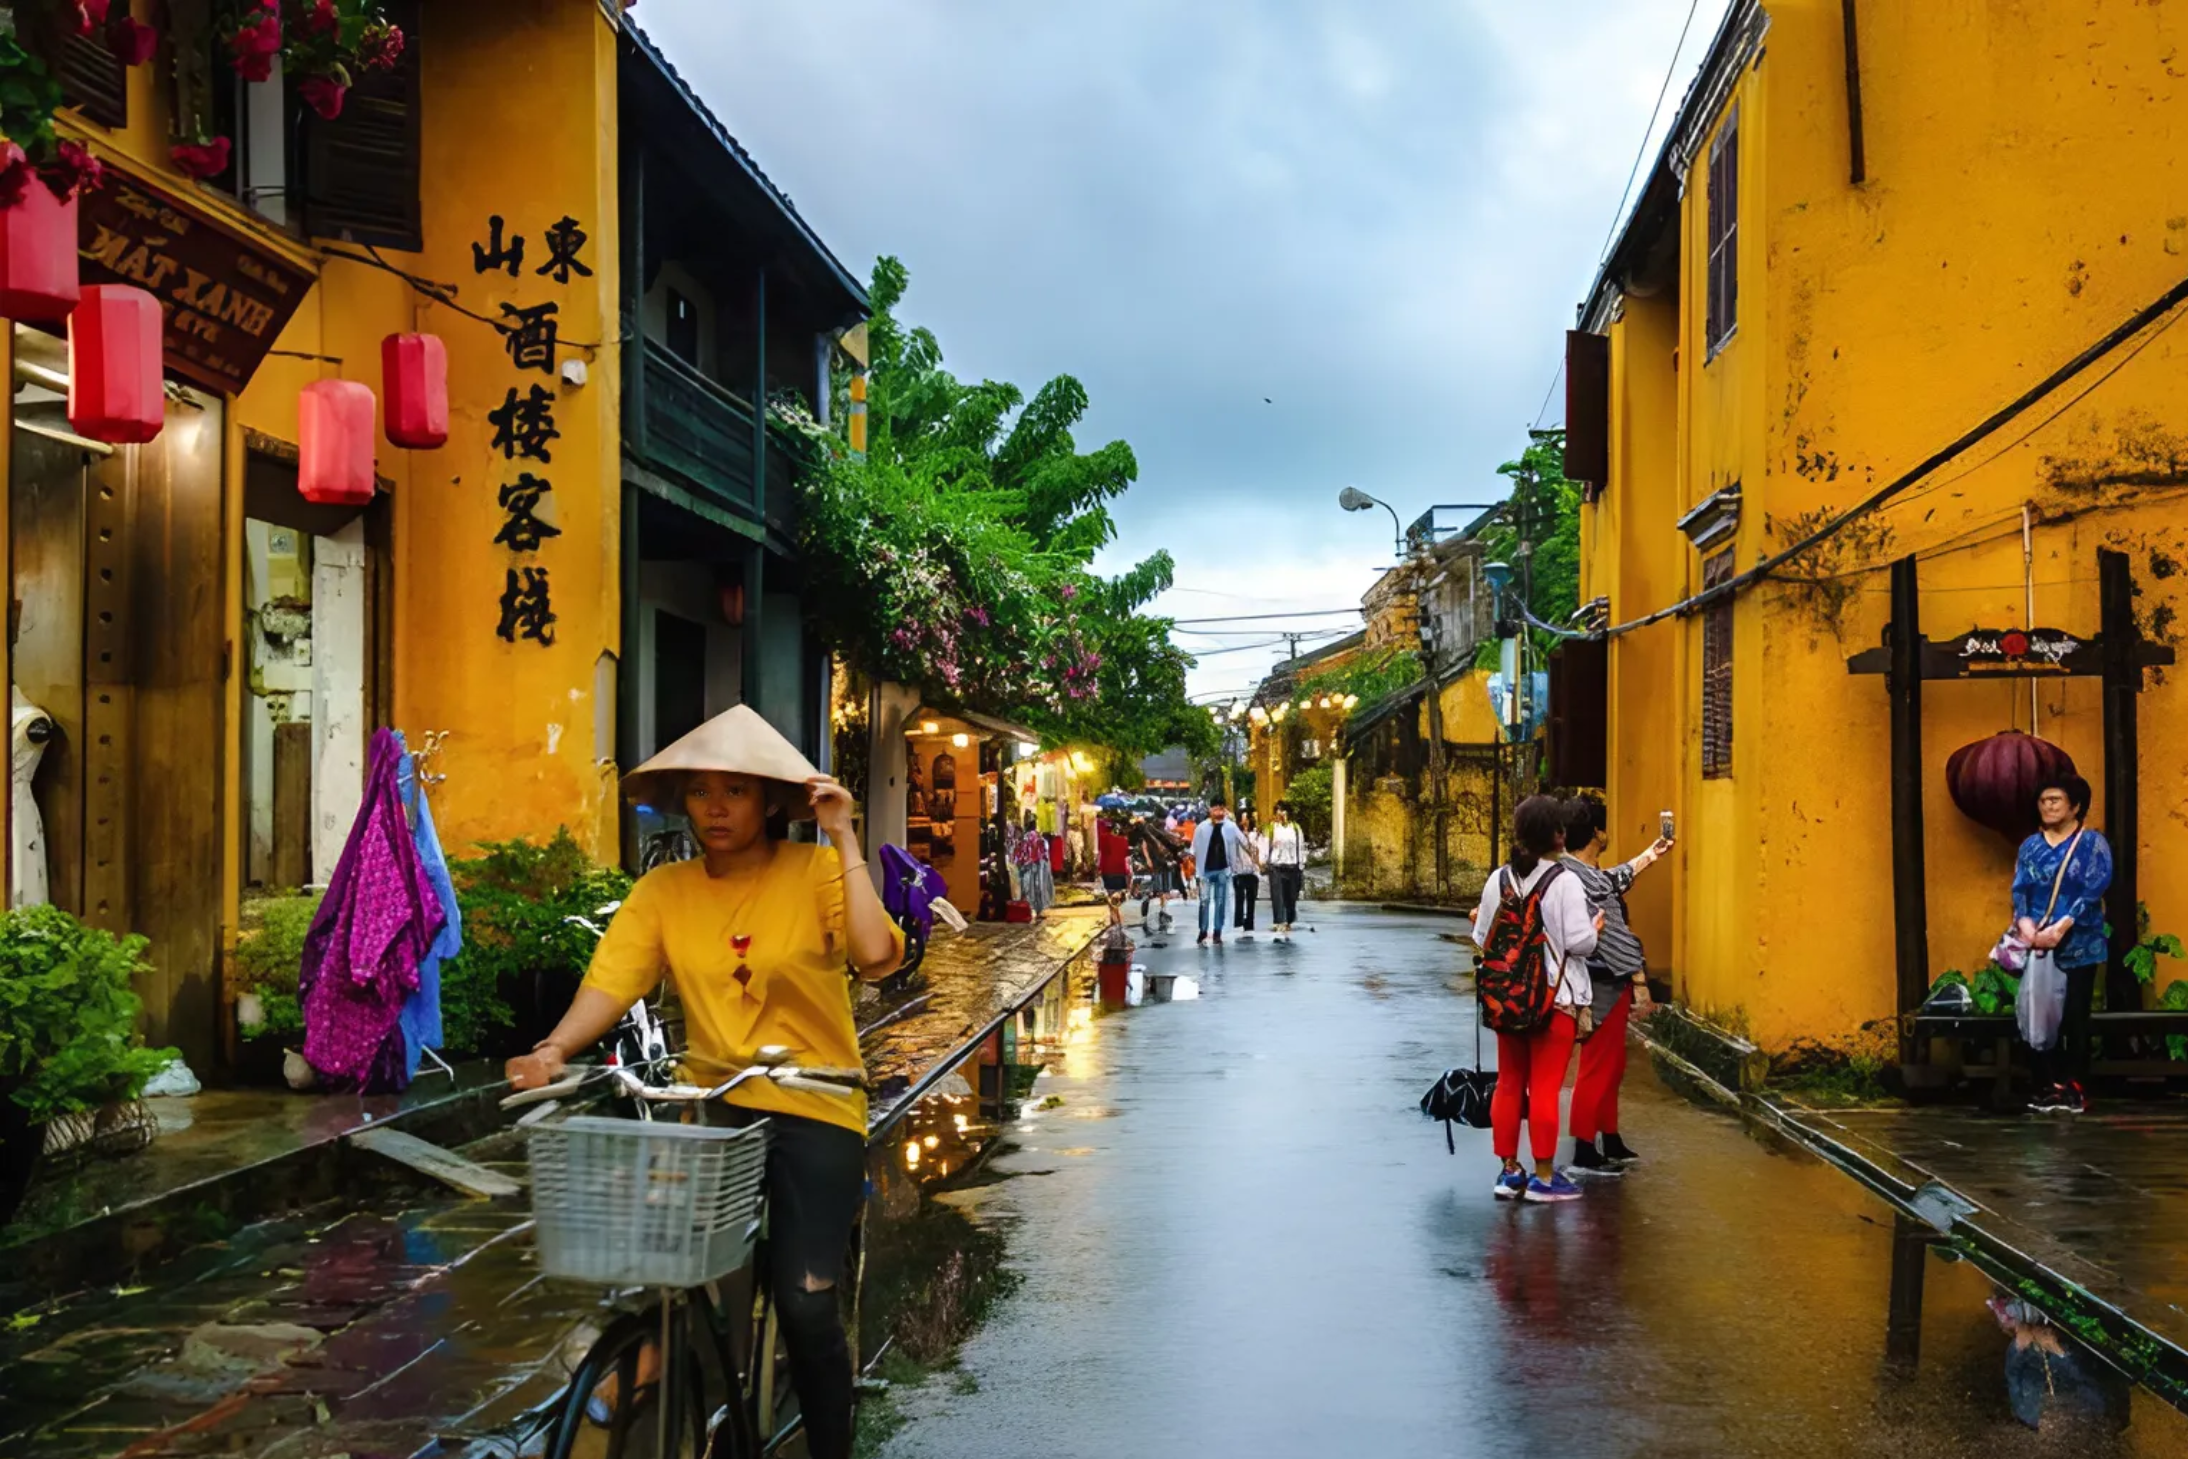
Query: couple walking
(1233, 857)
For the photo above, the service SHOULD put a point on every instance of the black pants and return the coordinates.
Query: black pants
(1284, 894)
(2068, 1059)
(1245, 891)
(816, 1177)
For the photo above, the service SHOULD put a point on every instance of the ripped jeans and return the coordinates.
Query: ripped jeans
(816, 1178)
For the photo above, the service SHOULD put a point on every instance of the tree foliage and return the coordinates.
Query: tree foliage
(957, 553)
(1544, 514)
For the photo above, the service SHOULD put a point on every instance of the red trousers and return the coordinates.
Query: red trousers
(1530, 1067)
(1602, 1070)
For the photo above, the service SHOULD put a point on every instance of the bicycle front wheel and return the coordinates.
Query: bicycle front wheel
(612, 1408)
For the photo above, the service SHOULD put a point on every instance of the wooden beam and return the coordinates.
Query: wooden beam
(1910, 895)
(2122, 686)
(1856, 145)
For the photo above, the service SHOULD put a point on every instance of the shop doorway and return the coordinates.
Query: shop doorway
(318, 596)
(117, 624)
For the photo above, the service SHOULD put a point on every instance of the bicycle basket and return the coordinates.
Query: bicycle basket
(628, 1203)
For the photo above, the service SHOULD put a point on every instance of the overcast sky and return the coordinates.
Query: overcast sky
(1287, 246)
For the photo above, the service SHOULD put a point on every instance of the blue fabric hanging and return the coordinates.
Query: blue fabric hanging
(421, 1012)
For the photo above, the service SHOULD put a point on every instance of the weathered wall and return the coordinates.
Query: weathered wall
(2021, 200)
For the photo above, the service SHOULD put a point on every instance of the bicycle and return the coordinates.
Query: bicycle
(678, 1209)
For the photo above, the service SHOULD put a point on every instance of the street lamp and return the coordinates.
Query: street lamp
(1352, 499)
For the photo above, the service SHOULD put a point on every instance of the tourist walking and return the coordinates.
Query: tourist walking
(1533, 890)
(1286, 867)
(1618, 973)
(1246, 880)
(1113, 854)
(1158, 857)
(1036, 878)
(1219, 850)
(2059, 882)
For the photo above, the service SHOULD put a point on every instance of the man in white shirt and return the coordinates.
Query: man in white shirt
(1286, 865)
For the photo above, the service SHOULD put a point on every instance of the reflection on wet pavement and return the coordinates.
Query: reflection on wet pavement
(1260, 1248)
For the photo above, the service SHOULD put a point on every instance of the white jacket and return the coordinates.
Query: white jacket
(1568, 925)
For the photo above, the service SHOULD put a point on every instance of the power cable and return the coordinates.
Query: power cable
(2133, 325)
(1265, 617)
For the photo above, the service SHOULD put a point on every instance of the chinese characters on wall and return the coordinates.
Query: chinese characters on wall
(524, 424)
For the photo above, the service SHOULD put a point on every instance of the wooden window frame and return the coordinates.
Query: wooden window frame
(1717, 671)
(1721, 316)
(324, 154)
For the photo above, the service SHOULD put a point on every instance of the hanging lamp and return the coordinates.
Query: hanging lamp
(334, 433)
(414, 373)
(38, 269)
(114, 387)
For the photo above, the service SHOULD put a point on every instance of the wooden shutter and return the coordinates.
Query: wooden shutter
(1723, 312)
(1588, 410)
(360, 172)
(93, 80)
(1580, 674)
(1717, 672)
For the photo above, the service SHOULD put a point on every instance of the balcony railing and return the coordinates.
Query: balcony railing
(697, 431)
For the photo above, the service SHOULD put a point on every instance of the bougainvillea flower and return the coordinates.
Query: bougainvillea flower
(88, 15)
(255, 45)
(132, 41)
(323, 94)
(74, 170)
(201, 159)
(324, 19)
(15, 174)
(381, 48)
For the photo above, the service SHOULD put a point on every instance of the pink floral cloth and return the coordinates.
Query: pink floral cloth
(361, 957)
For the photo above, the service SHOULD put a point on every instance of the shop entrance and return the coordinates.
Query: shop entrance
(117, 624)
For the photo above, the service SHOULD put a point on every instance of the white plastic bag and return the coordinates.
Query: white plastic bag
(2041, 1001)
(174, 1080)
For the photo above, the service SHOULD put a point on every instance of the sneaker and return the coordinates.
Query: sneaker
(2051, 1099)
(1556, 1188)
(1511, 1185)
(2074, 1099)
(1201, 941)
(1589, 1161)
(1219, 939)
(1618, 1151)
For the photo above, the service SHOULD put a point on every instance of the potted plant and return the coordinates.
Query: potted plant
(522, 959)
(68, 1032)
(269, 952)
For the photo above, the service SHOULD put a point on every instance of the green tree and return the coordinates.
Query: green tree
(957, 553)
(1538, 535)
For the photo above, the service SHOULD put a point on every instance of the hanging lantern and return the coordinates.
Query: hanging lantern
(38, 276)
(334, 443)
(414, 372)
(114, 390)
(1994, 781)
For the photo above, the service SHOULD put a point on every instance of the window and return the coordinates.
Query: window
(93, 80)
(683, 330)
(1724, 234)
(360, 171)
(1717, 672)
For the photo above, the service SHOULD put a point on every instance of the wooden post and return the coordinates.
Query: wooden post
(2122, 686)
(750, 647)
(759, 409)
(1910, 901)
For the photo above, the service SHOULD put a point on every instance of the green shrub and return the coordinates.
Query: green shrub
(270, 954)
(1309, 793)
(68, 1014)
(514, 897)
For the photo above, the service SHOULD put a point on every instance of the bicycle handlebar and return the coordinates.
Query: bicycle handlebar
(790, 1076)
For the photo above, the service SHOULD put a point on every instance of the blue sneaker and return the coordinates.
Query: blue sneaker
(1557, 1188)
(1511, 1185)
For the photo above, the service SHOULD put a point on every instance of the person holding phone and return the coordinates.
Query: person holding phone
(1618, 969)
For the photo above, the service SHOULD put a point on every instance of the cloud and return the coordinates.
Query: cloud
(1378, 218)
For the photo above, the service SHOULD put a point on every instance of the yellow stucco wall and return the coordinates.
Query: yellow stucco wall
(2020, 203)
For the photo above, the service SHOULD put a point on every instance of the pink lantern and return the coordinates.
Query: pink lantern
(414, 373)
(1994, 781)
(334, 432)
(114, 392)
(38, 257)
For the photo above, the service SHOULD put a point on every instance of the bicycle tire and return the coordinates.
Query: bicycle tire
(634, 1430)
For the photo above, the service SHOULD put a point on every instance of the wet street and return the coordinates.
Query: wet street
(1237, 1236)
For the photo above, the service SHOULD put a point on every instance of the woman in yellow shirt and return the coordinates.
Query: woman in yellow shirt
(758, 934)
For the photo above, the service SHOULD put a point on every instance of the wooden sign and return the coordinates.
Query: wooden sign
(225, 298)
(2010, 653)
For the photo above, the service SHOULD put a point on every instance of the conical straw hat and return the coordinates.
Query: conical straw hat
(739, 742)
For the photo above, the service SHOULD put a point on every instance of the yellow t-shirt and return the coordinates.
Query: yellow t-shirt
(757, 958)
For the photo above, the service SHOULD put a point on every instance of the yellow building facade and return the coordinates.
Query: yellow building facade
(211, 651)
(1842, 264)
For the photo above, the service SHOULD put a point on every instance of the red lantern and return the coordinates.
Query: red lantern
(114, 391)
(38, 256)
(1994, 781)
(414, 372)
(334, 432)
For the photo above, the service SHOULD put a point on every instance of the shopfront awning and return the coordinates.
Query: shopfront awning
(1001, 728)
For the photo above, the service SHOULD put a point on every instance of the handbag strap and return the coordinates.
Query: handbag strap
(2059, 879)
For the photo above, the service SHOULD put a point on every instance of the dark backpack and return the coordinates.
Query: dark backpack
(1514, 980)
(1461, 1097)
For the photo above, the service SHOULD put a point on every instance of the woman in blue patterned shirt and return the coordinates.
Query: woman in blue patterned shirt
(2074, 933)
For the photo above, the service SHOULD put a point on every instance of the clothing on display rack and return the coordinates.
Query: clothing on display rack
(421, 1015)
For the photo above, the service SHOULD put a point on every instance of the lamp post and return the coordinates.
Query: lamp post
(1352, 499)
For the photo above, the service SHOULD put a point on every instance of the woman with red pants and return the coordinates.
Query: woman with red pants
(1618, 970)
(1531, 1066)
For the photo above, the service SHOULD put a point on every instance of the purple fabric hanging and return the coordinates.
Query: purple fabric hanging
(361, 956)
